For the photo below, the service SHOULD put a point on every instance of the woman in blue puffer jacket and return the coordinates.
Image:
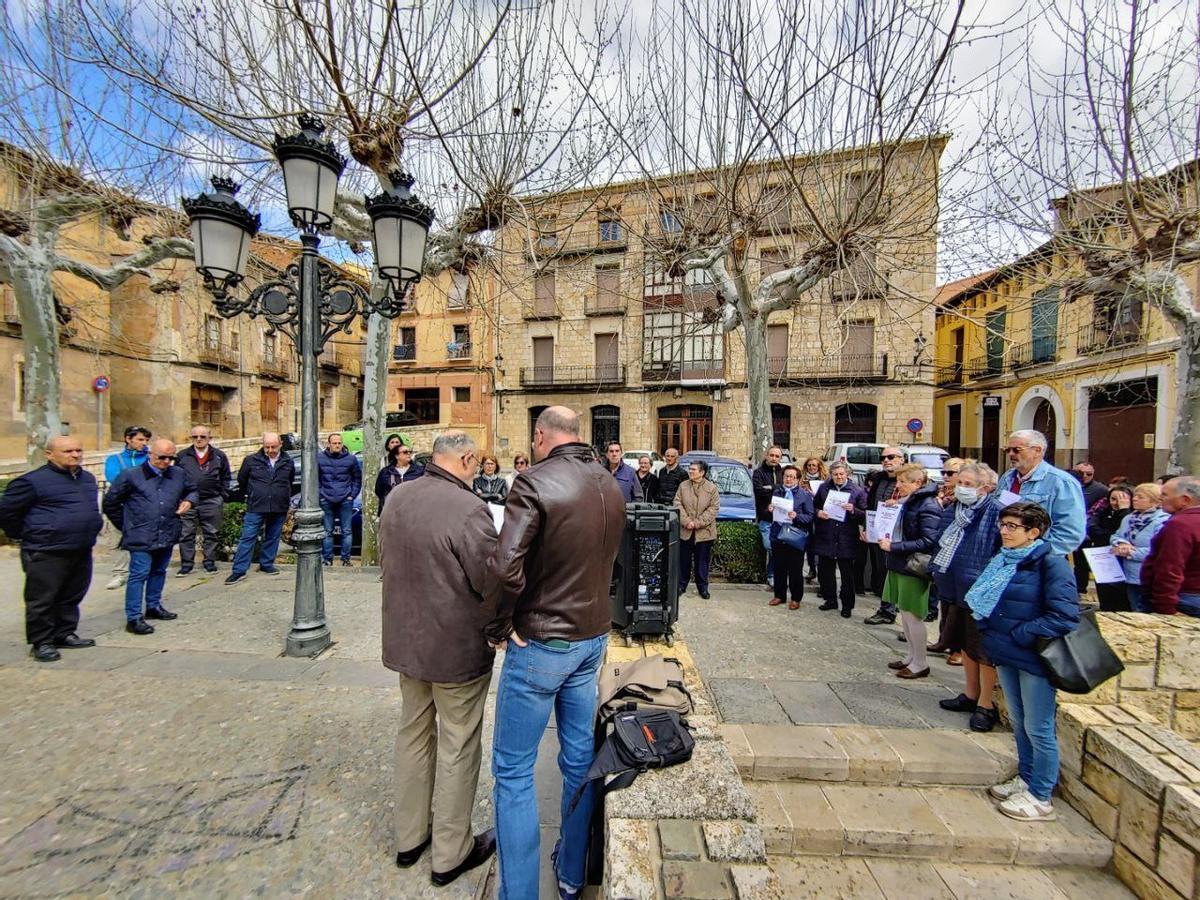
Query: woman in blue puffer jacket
(1025, 593)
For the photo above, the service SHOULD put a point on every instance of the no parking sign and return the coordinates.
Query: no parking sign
(100, 384)
(916, 426)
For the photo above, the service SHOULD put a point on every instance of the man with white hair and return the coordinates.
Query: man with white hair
(1171, 573)
(1056, 491)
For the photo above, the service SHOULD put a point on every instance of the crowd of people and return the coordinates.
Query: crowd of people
(988, 555)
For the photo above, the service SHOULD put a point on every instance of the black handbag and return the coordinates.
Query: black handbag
(917, 565)
(796, 538)
(1081, 661)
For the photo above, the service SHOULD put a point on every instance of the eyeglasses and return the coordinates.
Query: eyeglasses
(199, 437)
(891, 456)
(404, 450)
(521, 462)
(1014, 449)
(160, 458)
(1011, 526)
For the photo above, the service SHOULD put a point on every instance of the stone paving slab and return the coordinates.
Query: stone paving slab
(748, 701)
(811, 703)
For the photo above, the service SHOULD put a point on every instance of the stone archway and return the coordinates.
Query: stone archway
(1041, 409)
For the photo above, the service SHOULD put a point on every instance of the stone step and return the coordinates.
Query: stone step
(940, 823)
(818, 878)
(867, 755)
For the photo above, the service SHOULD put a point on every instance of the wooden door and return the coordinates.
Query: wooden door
(543, 295)
(606, 357)
(269, 407)
(543, 360)
(990, 449)
(777, 349)
(954, 429)
(685, 428)
(858, 350)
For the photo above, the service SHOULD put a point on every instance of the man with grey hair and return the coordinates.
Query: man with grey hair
(438, 595)
(1171, 573)
(1036, 481)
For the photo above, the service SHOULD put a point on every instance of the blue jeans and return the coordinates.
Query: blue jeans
(1138, 601)
(345, 512)
(535, 680)
(1031, 701)
(271, 524)
(147, 574)
(1189, 605)
(764, 531)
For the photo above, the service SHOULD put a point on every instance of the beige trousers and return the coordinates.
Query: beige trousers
(120, 558)
(438, 752)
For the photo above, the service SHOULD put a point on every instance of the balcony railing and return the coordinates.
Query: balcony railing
(1100, 337)
(280, 367)
(1032, 353)
(985, 366)
(404, 352)
(691, 370)
(225, 357)
(546, 309)
(951, 374)
(573, 376)
(604, 306)
(836, 367)
(458, 350)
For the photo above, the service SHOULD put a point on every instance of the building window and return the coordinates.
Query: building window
(459, 284)
(781, 425)
(269, 408)
(424, 403)
(681, 343)
(610, 229)
(543, 360)
(235, 341)
(606, 426)
(212, 333)
(543, 294)
(669, 219)
(328, 407)
(854, 423)
(208, 402)
(460, 343)
(608, 287)
(407, 348)
(269, 344)
(20, 387)
(462, 394)
(547, 239)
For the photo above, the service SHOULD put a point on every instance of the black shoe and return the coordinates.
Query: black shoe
(984, 719)
(485, 846)
(345, 562)
(327, 562)
(810, 577)
(961, 703)
(161, 612)
(210, 566)
(845, 613)
(406, 858)
(271, 571)
(74, 642)
(139, 626)
(185, 569)
(703, 595)
(44, 653)
(932, 616)
(879, 619)
(900, 637)
(235, 577)
(827, 605)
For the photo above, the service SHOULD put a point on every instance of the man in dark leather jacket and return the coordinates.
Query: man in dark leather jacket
(562, 527)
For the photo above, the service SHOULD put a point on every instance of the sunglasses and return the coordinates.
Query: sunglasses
(521, 462)
(946, 473)
(160, 458)
(199, 437)
(891, 456)
(1014, 449)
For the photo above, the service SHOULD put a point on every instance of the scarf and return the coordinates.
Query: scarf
(1137, 522)
(984, 594)
(953, 535)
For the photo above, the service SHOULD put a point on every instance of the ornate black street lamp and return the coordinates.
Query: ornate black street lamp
(310, 303)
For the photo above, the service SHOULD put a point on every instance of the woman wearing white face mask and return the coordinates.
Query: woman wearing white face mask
(969, 539)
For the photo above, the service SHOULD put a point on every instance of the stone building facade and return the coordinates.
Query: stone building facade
(589, 314)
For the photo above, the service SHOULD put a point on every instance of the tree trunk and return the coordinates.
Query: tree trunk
(375, 374)
(34, 289)
(758, 384)
(1185, 448)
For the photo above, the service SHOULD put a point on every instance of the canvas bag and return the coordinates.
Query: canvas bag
(653, 682)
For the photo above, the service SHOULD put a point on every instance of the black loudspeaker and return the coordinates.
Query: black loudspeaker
(645, 588)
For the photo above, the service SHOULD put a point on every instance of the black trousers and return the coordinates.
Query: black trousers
(1082, 569)
(206, 514)
(55, 582)
(827, 566)
(699, 553)
(878, 561)
(789, 571)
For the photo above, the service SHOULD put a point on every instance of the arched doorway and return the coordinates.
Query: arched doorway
(606, 426)
(534, 412)
(781, 425)
(855, 423)
(1044, 421)
(685, 427)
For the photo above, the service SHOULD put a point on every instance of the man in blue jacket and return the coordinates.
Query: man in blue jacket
(266, 481)
(340, 477)
(146, 504)
(631, 488)
(52, 511)
(135, 453)
(1036, 481)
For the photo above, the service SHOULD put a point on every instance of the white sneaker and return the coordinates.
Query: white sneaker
(1006, 789)
(1028, 808)
(117, 581)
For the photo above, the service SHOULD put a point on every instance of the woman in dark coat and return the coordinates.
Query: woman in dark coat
(916, 532)
(1102, 525)
(836, 543)
(1025, 593)
(490, 484)
(789, 561)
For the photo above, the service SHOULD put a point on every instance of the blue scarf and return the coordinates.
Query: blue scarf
(985, 593)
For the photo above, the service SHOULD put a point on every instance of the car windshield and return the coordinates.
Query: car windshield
(731, 480)
(864, 456)
(928, 458)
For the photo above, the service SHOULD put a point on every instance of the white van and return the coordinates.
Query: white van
(862, 458)
(929, 456)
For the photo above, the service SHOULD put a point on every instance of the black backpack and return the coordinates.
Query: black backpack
(640, 739)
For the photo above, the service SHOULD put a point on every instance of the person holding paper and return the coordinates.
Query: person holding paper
(1102, 525)
(791, 504)
(698, 503)
(836, 540)
(1036, 481)
(915, 531)
(881, 487)
(814, 474)
(1131, 542)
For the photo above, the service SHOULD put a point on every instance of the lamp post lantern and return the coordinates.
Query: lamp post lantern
(310, 303)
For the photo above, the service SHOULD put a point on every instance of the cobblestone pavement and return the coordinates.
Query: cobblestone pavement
(198, 762)
(773, 666)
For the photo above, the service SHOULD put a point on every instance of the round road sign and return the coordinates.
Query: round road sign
(916, 426)
(100, 384)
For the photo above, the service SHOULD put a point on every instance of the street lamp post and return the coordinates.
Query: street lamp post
(310, 303)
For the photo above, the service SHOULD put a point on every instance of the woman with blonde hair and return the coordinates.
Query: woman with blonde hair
(1131, 541)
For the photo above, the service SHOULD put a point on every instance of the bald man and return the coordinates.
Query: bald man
(52, 511)
(146, 504)
(266, 481)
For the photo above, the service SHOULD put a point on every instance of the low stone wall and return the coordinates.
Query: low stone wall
(1130, 763)
(689, 830)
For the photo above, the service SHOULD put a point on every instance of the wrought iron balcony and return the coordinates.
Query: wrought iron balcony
(985, 367)
(225, 357)
(404, 352)
(604, 306)
(841, 367)
(1032, 353)
(689, 370)
(279, 367)
(1100, 337)
(458, 350)
(572, 376)
(951, 374)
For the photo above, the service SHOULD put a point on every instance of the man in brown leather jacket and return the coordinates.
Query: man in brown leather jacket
(562, 527)
(438, 594)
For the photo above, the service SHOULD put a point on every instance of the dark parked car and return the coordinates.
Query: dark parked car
(732, 479)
